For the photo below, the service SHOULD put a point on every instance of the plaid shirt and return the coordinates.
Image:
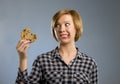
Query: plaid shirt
(49, 68)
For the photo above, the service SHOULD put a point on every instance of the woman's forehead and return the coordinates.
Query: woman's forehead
(65, 18)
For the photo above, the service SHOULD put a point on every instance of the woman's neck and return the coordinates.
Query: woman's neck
(67, 50)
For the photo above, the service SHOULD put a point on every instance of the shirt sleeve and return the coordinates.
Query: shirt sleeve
(22, 76)
(33, 78)
(94, 74)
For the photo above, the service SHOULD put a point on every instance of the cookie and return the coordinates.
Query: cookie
(27, 35)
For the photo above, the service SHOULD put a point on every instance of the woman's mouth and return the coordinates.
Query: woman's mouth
(63, 35)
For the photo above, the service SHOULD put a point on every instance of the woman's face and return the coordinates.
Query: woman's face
(65, 29)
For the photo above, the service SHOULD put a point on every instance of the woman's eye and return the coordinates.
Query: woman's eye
(57, 26)
(67, 24)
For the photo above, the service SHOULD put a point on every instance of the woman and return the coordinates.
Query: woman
(63, 65)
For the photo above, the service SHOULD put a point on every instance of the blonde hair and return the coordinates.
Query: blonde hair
(76, 19)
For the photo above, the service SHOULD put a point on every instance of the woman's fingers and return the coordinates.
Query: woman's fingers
(22, 46)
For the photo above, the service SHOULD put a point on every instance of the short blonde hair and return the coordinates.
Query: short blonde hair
(76, 19)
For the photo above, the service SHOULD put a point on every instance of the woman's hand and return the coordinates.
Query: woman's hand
(22, 48)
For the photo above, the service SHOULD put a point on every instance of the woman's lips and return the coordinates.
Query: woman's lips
(63, 35)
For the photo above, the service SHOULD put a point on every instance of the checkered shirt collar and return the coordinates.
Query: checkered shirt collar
(57, 55)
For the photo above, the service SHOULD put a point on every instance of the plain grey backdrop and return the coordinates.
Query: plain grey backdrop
(100, 40)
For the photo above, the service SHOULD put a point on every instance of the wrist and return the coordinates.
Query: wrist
(23, 64)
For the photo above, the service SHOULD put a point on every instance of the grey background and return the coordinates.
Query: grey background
(100, 40)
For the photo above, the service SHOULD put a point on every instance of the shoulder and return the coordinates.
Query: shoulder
(88, 59)
(45, 56)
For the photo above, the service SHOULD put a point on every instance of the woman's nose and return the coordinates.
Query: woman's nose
(62, 28)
